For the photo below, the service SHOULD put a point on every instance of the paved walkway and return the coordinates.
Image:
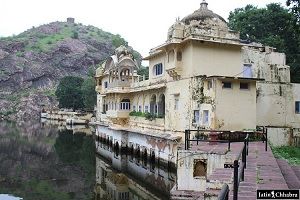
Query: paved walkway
(262, 172)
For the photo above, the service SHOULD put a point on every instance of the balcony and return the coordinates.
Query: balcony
(118, 87)
(118, 114)
(119, 84)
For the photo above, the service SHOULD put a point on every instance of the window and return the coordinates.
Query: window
(176, 103)
(247, 71)
(200, 168)
(105, 84)
(205, 117)
(140, 108)
(209, 84)
(179, 56)
(146, 109)
(297, 107)
(134, 108)
(125, 104)
(158, 69)
(244, 86)
(196, 116)
(227, 85)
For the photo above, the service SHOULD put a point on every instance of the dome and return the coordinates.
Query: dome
(202, 14)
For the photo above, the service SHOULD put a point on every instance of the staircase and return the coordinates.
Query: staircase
(291, 174)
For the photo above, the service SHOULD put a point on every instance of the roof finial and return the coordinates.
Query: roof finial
(203, 5)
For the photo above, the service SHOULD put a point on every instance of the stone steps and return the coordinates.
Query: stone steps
(296, 169)
(186, 195)
(289, 174)
(218, 177)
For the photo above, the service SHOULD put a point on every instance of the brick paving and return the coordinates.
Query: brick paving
(289, 174)
(262, 172)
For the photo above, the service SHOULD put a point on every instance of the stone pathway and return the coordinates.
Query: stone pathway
(262, 172)
(289, 174)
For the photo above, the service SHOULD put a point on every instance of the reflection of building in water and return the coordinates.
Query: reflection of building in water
(61, 125)
(130, 176)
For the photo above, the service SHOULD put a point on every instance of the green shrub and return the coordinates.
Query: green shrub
(160, 116)
(150, 116)
(137, 114)
(75, 35)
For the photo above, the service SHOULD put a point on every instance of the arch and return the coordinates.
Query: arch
(161, 106)
(127, 62)
(171, 56)
(153, 105)
(200, 168)
(145, 156)
(132, 150)
(125, 104)
(125, 74)
(117, 148)
(152, 158)
(138, 153)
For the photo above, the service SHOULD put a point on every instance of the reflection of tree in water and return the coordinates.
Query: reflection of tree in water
(37, 163)
(77, 149)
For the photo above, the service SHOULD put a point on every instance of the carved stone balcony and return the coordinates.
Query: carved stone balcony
(119, 84)
(118, 114)
(118, 87)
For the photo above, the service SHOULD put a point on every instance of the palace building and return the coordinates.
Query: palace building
(204, 76)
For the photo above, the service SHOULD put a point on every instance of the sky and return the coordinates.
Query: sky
(144, 24)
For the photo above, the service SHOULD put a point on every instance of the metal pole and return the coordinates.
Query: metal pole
(244, 154)
(229, 140)
(235, 179)
(185, 139)
(266, 147)
(189, 137)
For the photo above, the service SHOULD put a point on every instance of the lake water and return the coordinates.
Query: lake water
(41, 162)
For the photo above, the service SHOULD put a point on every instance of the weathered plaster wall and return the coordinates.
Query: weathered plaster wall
(215, 59)
(280, 136)
(161, 58)
(235, 107)
(296, 94)
(274, 104)
(178, 119)
(185, 169)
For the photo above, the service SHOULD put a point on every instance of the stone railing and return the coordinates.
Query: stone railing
(119, 84)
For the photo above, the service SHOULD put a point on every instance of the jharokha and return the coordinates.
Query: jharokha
(203, 77)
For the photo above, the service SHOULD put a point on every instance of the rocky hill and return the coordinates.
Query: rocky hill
(33, 62)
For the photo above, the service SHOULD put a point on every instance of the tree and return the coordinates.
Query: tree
(117, 41)
(274, 26)
(69, 93)
(295, 7)
(88, 93)
(143, 71)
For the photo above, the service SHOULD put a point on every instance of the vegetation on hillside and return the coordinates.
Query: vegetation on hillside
(274, 26)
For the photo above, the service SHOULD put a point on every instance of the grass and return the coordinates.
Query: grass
(289, 153)
(46, 42)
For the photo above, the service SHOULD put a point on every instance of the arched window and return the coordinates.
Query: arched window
(171, 56)
(125, 104)
(161, 106)
(153, 105)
